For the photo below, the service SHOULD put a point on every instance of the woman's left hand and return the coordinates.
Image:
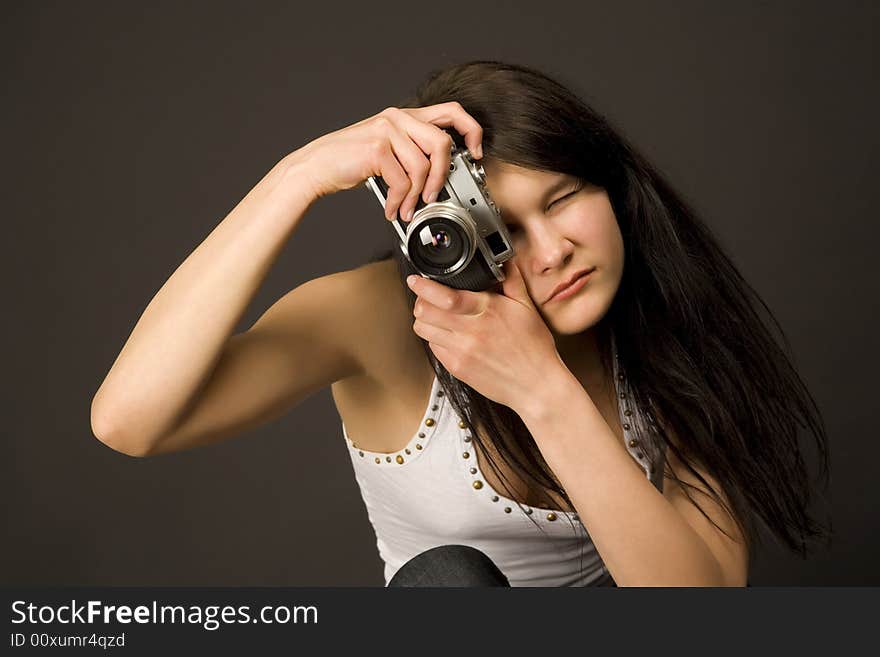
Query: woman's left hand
(496, 343)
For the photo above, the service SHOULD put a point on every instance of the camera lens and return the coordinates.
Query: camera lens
(437, 245)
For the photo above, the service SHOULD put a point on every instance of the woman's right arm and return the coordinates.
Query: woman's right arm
(179, 337)
(182, 379)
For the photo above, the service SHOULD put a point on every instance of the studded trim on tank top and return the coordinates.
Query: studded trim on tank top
(506, 504)
(431, 420)
(417, 443)
(637, 427)
(482, 487)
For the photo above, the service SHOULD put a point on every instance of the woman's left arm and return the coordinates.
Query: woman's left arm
(645, 538)
(499, 345)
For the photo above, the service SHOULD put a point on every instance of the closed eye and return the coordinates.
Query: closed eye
(562, 198)
(512, 228)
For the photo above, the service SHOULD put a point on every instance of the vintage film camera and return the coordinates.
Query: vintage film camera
(459, 239)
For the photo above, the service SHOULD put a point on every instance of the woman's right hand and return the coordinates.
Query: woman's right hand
(405, 146)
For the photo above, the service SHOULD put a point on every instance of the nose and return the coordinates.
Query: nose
(548, 250)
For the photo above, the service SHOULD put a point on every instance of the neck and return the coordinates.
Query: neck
(580, 353)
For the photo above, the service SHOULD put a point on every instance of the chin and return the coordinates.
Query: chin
(576, 315)
(573, 328)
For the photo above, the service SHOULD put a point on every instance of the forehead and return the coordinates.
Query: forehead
(504, 173)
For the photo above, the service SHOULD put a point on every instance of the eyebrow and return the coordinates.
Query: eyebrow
(560, 184)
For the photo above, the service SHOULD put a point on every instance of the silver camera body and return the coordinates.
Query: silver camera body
(459, 239)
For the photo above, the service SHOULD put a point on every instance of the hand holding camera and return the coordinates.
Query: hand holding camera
(458, 238)
(406, 147)
(453, 233)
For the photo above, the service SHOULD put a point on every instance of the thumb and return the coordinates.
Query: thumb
(514, 286)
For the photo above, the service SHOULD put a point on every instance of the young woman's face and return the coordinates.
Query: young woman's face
(560, 226)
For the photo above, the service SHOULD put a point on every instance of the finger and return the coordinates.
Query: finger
(437, 144)
(463, 302)
(428, 313)
(453, 114)
(434, 334)
(395, 177)
(443, 354)
(411, 160)
(411, 156)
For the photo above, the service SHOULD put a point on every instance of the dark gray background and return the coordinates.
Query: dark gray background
(132, 130)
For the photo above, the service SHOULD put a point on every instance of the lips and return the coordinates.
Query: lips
(562, 286)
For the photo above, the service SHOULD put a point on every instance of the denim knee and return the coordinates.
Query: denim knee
(450, 565)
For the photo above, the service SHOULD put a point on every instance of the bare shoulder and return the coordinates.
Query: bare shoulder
(383, 336)
(380, 406)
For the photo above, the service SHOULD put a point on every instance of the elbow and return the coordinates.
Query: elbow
(107, 430)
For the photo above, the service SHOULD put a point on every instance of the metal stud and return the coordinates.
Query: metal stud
(473, 471)
(439, 393)
(418, 446)
(627, 412)
(421, 434)
(623, 395)
(494, 498)
(430, 422)
(465, 455)
(633, 442)
(529, 511)
(551, 516)
(407, 451)
(462, 424)
(399, 458)
(435, 407)
(626, 426)
(354, 445)
(361, 453)
(620, 377)
(640, 455)
(388, 459)
(507, 509)
(467, 439)
(478, 484)
(378, 460)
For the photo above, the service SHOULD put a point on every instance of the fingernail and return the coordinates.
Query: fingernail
(411, 279)
(432, 197)
(479, 151)
(409, 214)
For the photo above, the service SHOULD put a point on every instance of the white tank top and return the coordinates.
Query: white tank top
(433, 492)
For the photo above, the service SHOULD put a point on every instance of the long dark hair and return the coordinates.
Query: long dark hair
(687, 326)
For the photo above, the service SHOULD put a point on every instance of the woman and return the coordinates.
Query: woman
(637, 420)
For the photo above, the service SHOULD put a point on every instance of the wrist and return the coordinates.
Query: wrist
(550, 397)
(295, 176)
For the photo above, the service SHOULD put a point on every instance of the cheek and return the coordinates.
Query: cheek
(612, 253)
(596, 230)
(613, 241)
